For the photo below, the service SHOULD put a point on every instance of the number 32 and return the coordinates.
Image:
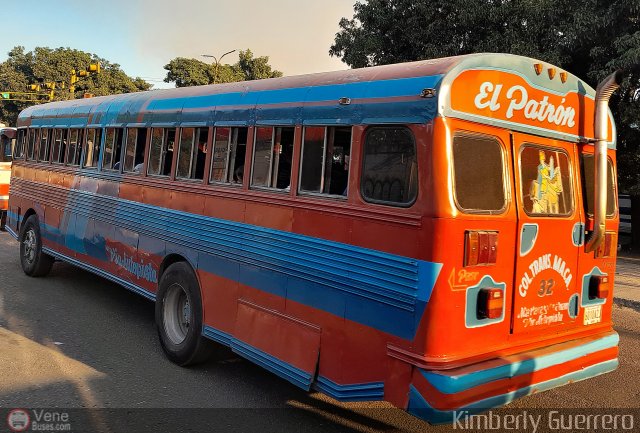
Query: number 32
(546, 287)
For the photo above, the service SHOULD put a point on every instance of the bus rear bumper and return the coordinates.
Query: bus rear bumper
(443, 396)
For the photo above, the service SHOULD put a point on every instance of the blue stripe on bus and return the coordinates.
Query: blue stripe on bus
(370, 391)
(376, 89)
(419, 407)
(385, 291)
(126, 284)
(451, 384)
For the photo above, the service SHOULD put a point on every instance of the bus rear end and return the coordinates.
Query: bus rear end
(525, 224)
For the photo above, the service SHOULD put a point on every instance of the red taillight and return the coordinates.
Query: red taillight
(599, 287)
(481, 248)
(490, 303)
(604, 250)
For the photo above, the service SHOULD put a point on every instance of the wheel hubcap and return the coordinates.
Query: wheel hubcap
(29, 243)
(177, 314)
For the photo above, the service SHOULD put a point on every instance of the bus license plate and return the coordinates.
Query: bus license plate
(593, 314)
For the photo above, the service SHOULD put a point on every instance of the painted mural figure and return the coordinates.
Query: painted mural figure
(546, 189)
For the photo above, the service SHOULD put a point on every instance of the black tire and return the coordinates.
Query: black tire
(179, 316)
(34, 261)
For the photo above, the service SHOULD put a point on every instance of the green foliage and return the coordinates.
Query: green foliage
(191, 72)
(46, 64)
(589, 38)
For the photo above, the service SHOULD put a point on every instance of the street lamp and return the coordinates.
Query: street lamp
(215, 74)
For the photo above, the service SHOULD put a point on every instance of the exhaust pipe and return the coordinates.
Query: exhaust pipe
(603, 93)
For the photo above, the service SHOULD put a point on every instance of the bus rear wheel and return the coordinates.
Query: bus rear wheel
(34, 261)
(179, 316)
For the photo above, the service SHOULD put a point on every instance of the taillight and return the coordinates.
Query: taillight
(490, 303)
(481, 248)
(598, 287)
(604, 250)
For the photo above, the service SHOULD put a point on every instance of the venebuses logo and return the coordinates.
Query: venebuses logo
(18, 420)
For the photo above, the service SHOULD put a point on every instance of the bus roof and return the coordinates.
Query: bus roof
(8, 132)
(414, 92)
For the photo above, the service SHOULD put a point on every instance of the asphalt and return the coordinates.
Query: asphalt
(75, 341)
(626, 291)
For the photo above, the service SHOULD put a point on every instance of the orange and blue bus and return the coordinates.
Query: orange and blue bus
(438, 234)
(7, 143)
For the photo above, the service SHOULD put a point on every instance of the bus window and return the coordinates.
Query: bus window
(220, 155)
(192, 153)
(59, 146)
(545, 180)
(43, 150)
(134, 149)
(325, 160)
(229, 150)
(33, 141)
(113, 149)
(389, 174)
(587, 185)
(478, 166)
(6, 149)
(75, 147)
(18, 150)
(272, 157)
(92, 148)
(161, 151)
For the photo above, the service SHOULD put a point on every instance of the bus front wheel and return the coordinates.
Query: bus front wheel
(34, 261)
(179, 316)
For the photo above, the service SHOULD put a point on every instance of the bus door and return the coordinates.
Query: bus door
(549, 235)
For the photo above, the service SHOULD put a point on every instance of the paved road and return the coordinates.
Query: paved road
(74, 340)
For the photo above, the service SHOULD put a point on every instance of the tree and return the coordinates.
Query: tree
(46, 64)
(191, 72)
(589, 38)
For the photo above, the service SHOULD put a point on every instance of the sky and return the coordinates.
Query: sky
(144, 35)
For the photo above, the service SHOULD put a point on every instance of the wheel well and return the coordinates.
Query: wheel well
(176, 258)
(170, 260)
(27, 214)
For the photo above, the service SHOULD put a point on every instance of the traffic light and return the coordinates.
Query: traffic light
(94, 68)
(33, 87)
(51, 86)
(5, 95)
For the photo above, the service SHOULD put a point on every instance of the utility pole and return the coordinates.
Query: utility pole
(215, 73)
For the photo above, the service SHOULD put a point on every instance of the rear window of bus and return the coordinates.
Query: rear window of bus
(545, 181)
(478, 165)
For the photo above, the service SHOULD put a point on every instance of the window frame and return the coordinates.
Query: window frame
(20, 140)
(85, 147)
(546, 147)
(164, 149)
(33, 137)
(79, 138)
(362, 166)
(505, 173)
(47, 159)
(274, 129)
(321, 194)
(193, 154)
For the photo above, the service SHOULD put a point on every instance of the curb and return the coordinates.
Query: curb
(635, 305)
